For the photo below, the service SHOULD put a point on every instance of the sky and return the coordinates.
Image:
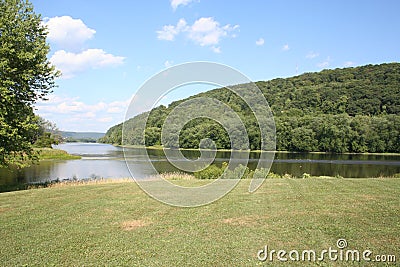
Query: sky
(106, 50)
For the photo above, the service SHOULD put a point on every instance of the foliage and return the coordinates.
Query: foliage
(239, 172)
(272, 175)
(45, 140)
(260, 173)
(47, 134)
(339, 133)
(26, 76)
(341, 110)
(211, 172)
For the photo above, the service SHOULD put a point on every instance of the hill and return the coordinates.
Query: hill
(341, 110)
(81, 136)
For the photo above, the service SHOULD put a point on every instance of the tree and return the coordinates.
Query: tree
(47, 133)
(26, 76)
(152, 136)
(303, 139)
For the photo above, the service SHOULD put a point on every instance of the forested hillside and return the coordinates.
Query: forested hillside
(90, 137)
(341, 110)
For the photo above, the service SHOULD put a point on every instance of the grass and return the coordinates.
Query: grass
(114, 223)
(51, 153)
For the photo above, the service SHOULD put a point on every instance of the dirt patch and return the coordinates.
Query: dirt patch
(368, 197)
(241, 221)
(134, 224)
(4, 209)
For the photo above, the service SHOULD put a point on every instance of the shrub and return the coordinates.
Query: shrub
(211, 172)
(261, 173)
(272, 175)
(236, 173)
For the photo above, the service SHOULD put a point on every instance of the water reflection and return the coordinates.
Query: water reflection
(106, 161)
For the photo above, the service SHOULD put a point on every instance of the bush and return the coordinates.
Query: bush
(236, 173)
(211, 172)
(272, 175)
(260, 173)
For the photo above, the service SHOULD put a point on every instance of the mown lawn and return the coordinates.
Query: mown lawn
(116, 224)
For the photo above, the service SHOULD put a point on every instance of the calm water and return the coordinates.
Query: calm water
(101, 160)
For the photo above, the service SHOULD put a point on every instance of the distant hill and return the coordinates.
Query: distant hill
(341, 110)
(81, 136)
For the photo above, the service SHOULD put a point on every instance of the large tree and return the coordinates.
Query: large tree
(26, 76)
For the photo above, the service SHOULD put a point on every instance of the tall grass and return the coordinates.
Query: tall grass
(50, 153)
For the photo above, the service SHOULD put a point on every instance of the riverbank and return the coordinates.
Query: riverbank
(258, 151)
(115, 223)
(174, 177)
(52, 153)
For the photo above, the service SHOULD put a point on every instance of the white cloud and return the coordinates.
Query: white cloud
(325, 63)
(312, 54)
(70, 63)
(349, 64)
(88, 115)
(169, 32)
(69, 105)
(55, 99)
(207, 31)
(260, 42)
(285, 47)
(72, 113)
(68, 32)
(118, 106)
(105, 119)
(204, 32)
(114, 110)
(176, 3)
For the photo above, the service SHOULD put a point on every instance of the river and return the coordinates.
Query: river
(107, 161)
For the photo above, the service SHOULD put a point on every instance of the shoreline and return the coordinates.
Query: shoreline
(169, 177)
(259, 151)
(54, 154)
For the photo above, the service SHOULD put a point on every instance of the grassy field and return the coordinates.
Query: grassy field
(51, 153)
(116, 224)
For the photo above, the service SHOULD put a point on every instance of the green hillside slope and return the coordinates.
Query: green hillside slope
(81, 136)
(341, 110)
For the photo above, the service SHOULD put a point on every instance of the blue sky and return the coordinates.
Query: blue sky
(108, 49)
